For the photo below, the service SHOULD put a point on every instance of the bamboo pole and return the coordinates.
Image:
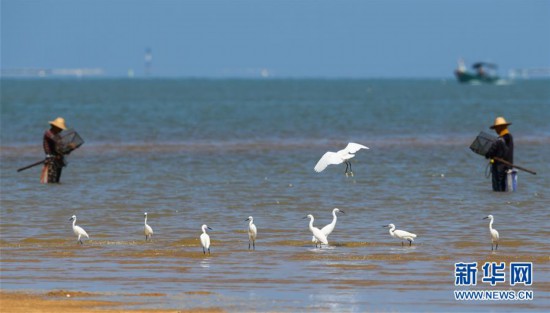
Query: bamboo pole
(515, 166)
(32, 165)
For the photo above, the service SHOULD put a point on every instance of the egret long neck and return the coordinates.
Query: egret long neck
(74, 222)
(491, 224)
(145, 220)
(392, 229)
(334, 218)
(311, 223)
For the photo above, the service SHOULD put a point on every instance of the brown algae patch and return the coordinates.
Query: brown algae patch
(200, 293)
(355, 266)
(69, 294)
(397, 257)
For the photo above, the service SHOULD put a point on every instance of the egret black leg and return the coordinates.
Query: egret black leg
(208, 251)
(410, 243)
(203, 252)
(402, 244)
(254, 245)
(497, 246)
(346, 172)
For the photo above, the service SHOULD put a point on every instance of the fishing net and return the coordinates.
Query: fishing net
(482, 143)
(70, 140)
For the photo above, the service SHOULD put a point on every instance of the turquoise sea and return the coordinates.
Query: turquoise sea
(199, 151)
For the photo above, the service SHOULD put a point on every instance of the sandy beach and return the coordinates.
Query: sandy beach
(62, 301)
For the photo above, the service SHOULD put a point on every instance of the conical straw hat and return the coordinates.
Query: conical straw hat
(59, 122)
(500, 121)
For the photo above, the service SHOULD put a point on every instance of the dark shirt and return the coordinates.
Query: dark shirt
(52, 143)
(502, 148)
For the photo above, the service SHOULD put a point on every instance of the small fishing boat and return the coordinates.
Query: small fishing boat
(484, 73)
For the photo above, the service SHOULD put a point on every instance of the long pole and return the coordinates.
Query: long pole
(32, 165)
(516, 166)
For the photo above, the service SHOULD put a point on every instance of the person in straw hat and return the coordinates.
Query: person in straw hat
(503, 148)
(55, 161)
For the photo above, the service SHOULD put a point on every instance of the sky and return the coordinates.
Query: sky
(284, 38)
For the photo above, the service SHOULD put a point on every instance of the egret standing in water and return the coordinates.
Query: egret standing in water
(79, 231)
(317, 233)
(252, 232)
(401, 234)
(147, 229)
(494, 232)
(205, 239)
(327, 230)
(342, 156)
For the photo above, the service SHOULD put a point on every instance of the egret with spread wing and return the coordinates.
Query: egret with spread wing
(342, 156)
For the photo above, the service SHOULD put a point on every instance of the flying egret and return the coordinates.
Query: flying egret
(79, 231)
(327, 230)
(494, 232)
(401, 234)
(339, 157)
(147, 229)
(317, 233)
(205, 239)
(252, 232)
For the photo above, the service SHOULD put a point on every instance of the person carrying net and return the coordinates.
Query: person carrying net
(55, 148)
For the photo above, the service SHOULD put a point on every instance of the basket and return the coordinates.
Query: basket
(482, 143)
(70, 140)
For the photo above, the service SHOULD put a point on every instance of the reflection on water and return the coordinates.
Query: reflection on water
(205, 263)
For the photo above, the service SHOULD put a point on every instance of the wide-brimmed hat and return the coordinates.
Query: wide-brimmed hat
(59, 123)
(500, 121)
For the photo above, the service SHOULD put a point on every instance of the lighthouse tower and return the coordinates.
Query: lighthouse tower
(148, 61)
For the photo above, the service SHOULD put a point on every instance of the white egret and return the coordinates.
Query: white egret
(79, 231)
(252, 232)
(317, 233)
(147, 229)
(401, 234)
(339, 157)
(494, 232)
(205, 239)
(327, 230)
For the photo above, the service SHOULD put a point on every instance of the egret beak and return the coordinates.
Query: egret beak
(70, 219)
(304, 217)
(247, 220)
(386, 226)
(209, 227)
(486, 217)
(342, 212)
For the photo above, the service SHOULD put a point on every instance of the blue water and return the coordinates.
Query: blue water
(193, 152)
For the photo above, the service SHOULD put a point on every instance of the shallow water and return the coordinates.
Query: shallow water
(193, 152)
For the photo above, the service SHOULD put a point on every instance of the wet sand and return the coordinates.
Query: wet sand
(62, 301)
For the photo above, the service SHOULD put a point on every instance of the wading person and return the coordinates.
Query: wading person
(502, 148)
(55, 160)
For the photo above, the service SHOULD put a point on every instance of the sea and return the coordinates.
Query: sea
(216, 151)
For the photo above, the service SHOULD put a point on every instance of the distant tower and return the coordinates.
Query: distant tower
(148, 61)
